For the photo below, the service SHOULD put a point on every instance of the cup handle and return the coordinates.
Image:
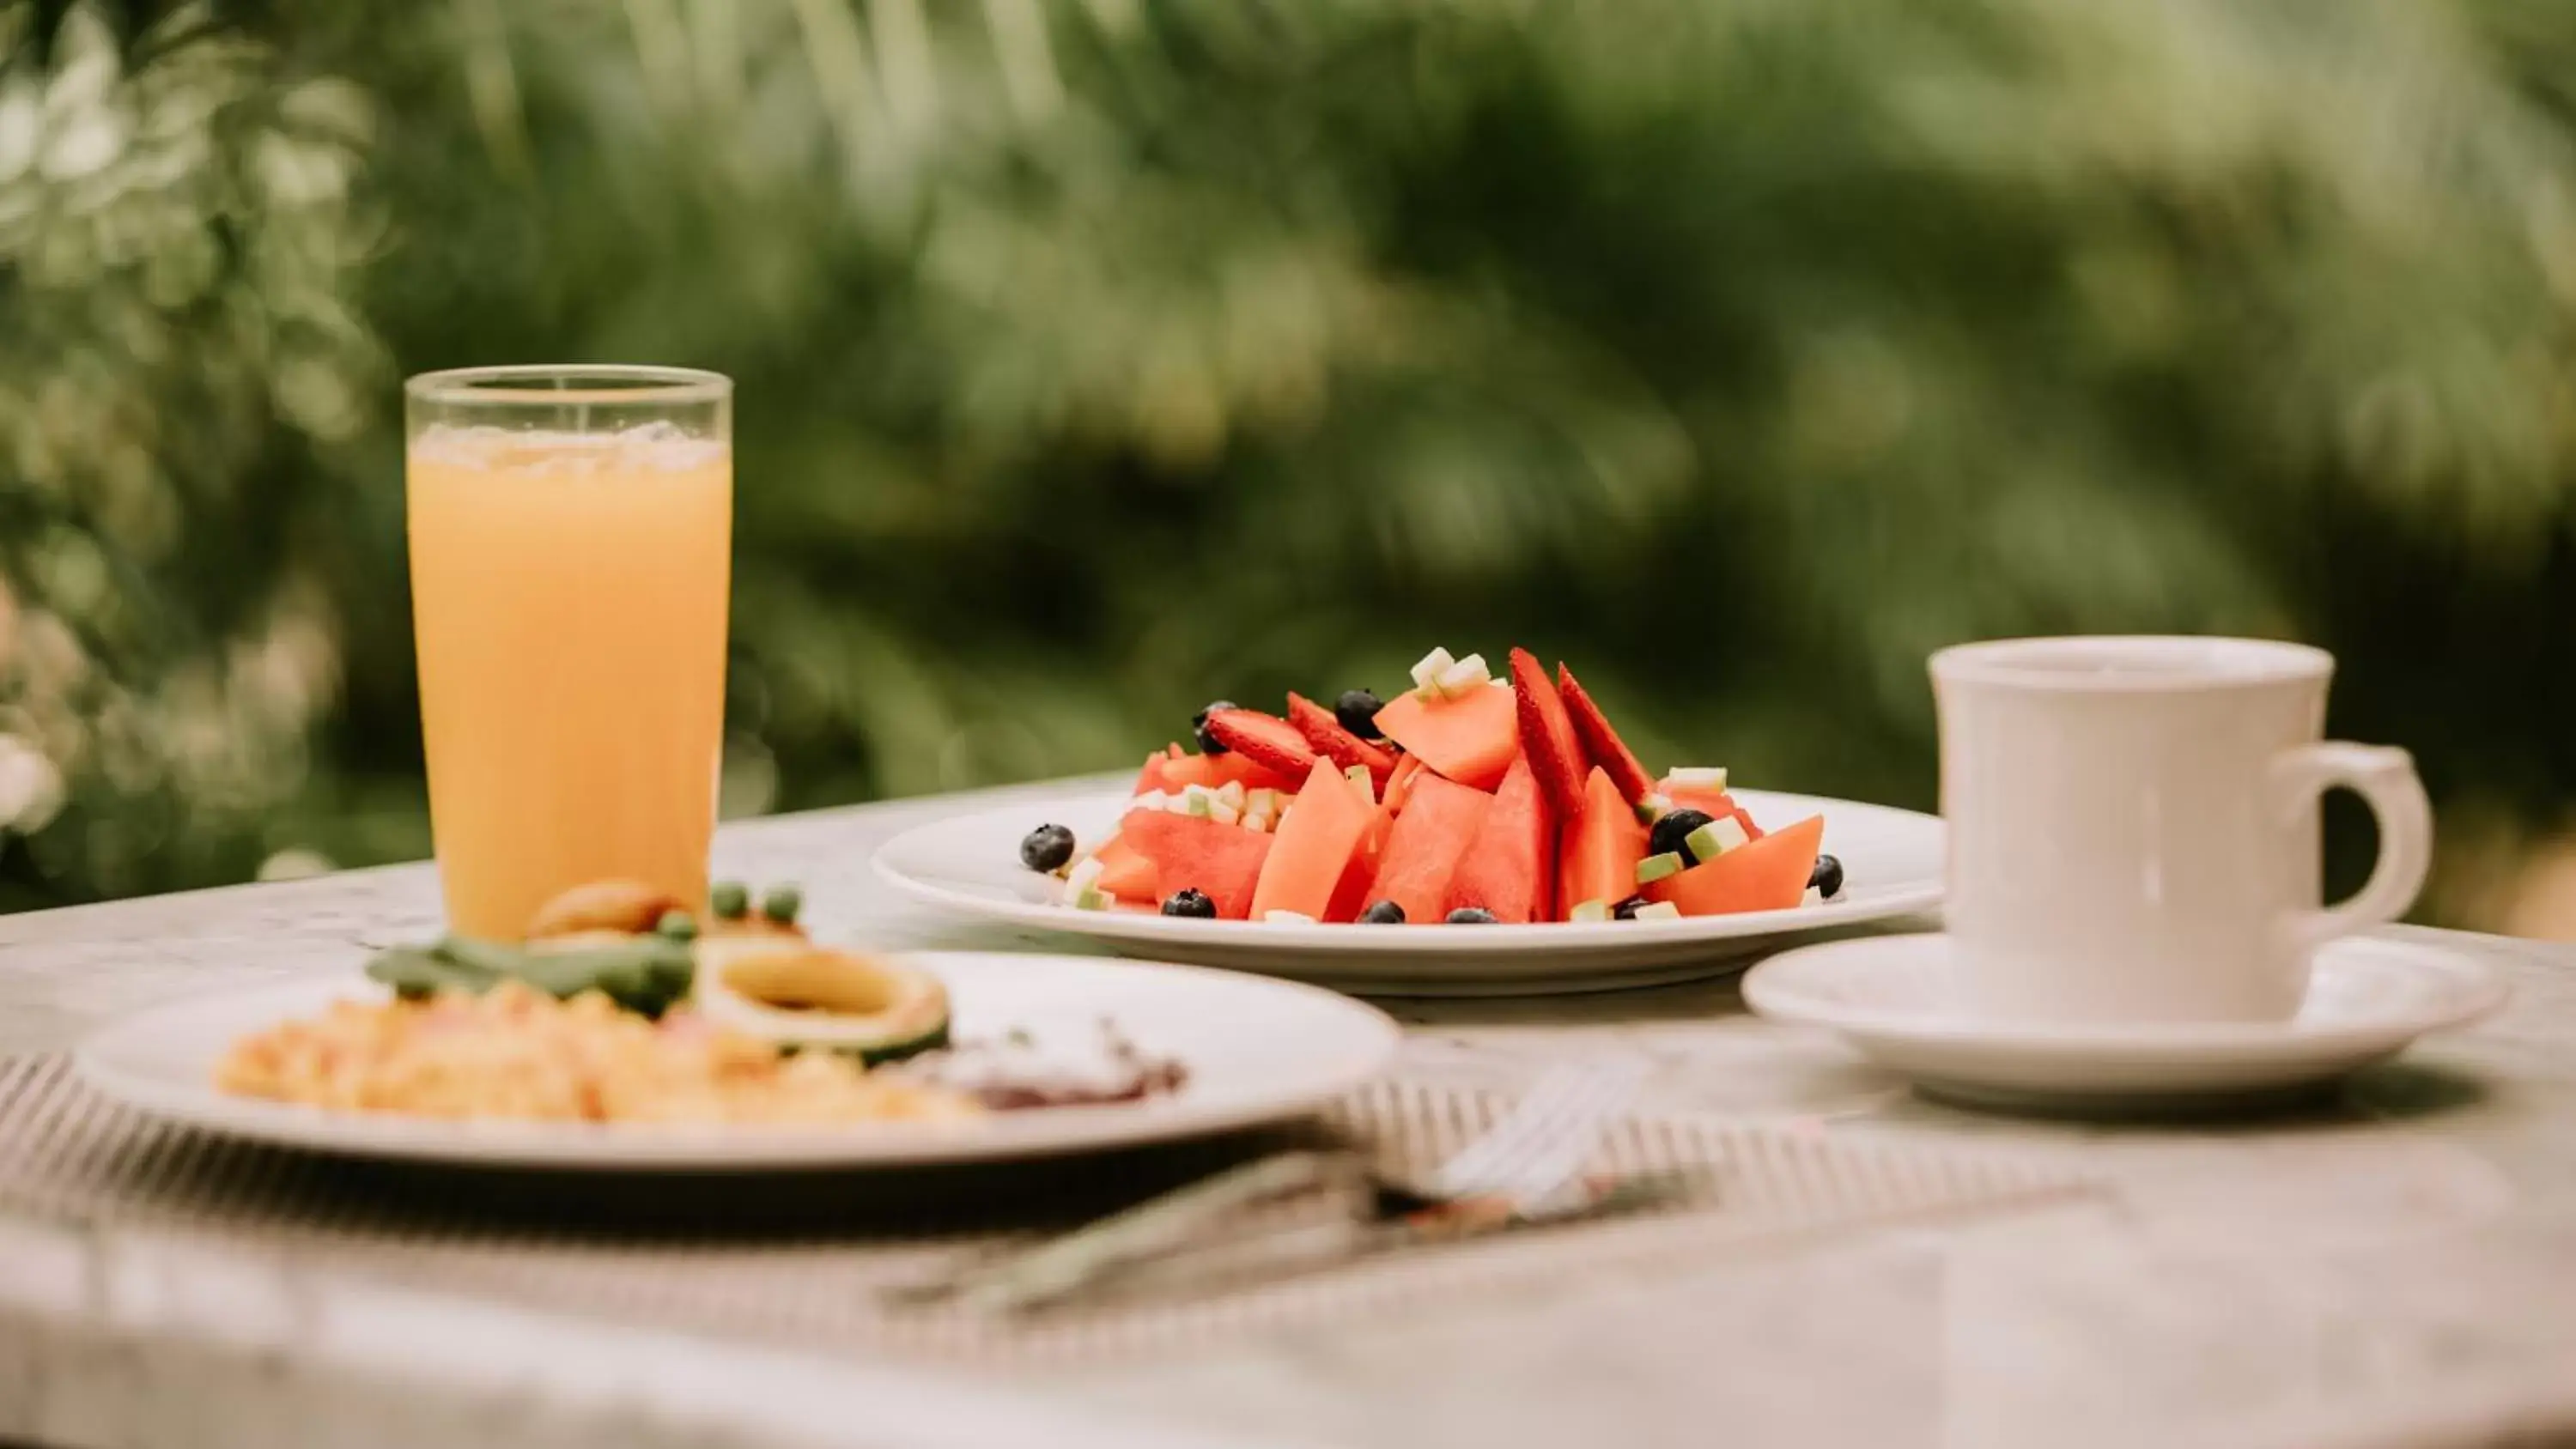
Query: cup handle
(2384, 777)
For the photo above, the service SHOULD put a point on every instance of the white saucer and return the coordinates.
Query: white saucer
(1891, 998)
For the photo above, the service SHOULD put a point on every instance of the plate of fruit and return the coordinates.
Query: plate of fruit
(1471, 834)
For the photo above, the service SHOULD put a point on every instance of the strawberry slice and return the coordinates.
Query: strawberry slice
(1548, 740)
(1324, 731)
(1600, 741)
(1264, 739)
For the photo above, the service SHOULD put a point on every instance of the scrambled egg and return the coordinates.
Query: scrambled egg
(516, 1052)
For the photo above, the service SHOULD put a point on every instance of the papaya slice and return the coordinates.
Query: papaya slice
(1430, 837)
(1510, 866)
(1325, 826)
(1601, 848)
(1769, 874)
(1600, 742)
(1471, 739)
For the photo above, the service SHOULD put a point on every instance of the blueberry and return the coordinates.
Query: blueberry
(1046, 848)
(1672, 830)
(1357, 710)
(1471, 916)
(1384, 913)
(1827, 877)
(1192, 903)
(1627, 910)
(1209, 744)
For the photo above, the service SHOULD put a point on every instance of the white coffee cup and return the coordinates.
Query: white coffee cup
(2133, 827)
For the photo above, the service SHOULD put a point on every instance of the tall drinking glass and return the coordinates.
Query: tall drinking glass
(571, 544)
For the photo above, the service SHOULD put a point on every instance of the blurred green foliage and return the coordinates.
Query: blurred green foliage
(1098, 357)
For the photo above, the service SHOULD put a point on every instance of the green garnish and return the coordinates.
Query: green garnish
(643, 974)
(730, 900)
(781, 903)
(676, 926)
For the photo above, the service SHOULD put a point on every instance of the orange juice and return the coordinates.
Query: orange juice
(568, 596)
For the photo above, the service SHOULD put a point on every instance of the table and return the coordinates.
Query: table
(2396, 1268)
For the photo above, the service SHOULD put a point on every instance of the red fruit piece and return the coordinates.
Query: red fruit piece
(1471, 739)
(1548, 740)
(1601, 744)
(1191, 852)
(1424, 848)
(1399, 786)
(1716, 804)
(1510, 867)
(1601, 849)
(1769, 874)
(1324, 731)
(1126, 872)
(1326, 826)
(1264, 740)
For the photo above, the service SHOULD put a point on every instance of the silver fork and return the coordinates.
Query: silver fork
(1511, 1171)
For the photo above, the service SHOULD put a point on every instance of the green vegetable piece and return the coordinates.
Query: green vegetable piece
(1656, 867)
(415, 973)
(730, 900)
(781, 904)
(676, 926)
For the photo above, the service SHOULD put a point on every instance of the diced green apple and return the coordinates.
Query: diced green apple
(1715, 838)
(1697, 777)
(1654, 808)
(1659, 911)
(1590, 911)
(1426, 672)
(1656, 867)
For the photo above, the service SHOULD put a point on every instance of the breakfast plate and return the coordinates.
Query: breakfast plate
(1248, 1051)
(969, 866)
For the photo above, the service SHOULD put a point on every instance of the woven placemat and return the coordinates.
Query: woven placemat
(804, 1259)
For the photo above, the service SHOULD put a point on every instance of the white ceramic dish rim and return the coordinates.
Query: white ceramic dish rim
(1771, 988)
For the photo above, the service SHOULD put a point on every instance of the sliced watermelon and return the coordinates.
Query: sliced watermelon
(1548, 740)
(1399, 786)
(1180, 771)
(1439, 821)
(1326, 825)
(1600, 742)
(1351, 893)
(1323, 731)
(1265, 740)
(1125, 871)
(1471, 739)
(1769, 874)
(1600, 849)
(1191, 852)
(1510, 867)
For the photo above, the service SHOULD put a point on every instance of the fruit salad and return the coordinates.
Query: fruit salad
(1464, 800)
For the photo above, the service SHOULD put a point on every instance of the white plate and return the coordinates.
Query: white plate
(1891, 998)
(970, 865)
(1257, 1051)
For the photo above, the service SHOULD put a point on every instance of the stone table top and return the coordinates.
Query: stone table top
(2395, 1267)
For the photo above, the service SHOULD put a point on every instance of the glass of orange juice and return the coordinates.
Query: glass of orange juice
(571, 546)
